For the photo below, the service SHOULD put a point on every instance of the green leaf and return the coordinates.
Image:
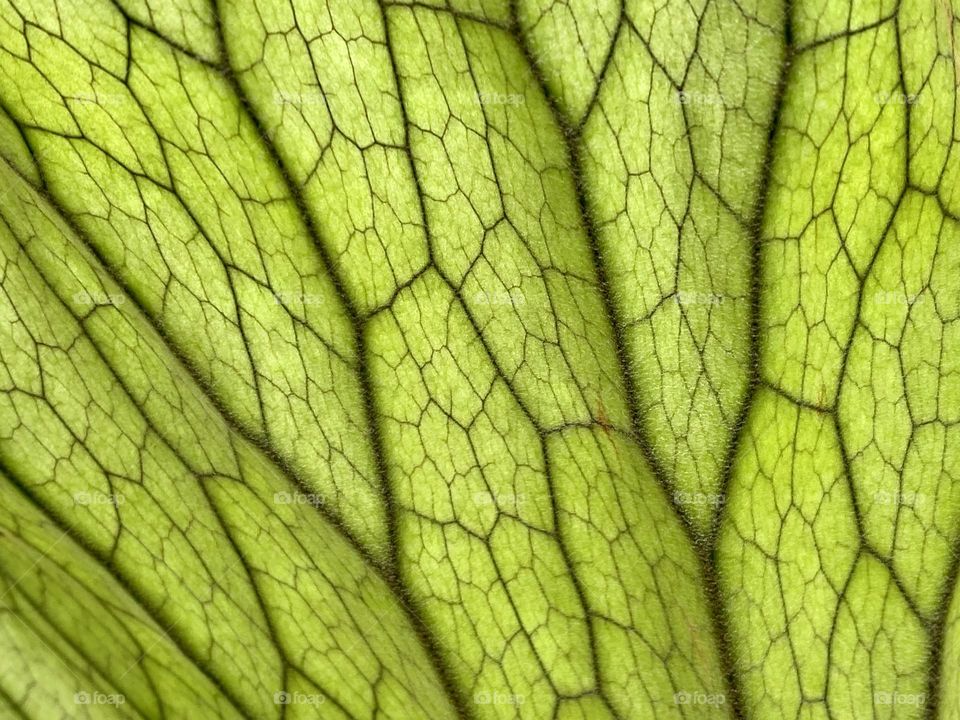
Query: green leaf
(479, 359)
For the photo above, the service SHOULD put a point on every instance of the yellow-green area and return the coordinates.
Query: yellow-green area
(479, 359)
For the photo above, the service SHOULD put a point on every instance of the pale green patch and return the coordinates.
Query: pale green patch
(465, 358)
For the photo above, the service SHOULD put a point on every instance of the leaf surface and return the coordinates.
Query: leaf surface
(474, 359)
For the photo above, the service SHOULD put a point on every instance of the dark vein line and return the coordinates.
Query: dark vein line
(12, 704)
(131, 590)
(572, 135)
(707, 565)
(232, 423)
(756, 257)
(186, 366)
(455, 12)
(246, 108)
(846, 34)
(491, 356)
(571, 140)
(67, 640)
(738, 435)
(385, 573)
(215, 509)
(558, 535)
(150, 26)
(171, 445)
(793, 399)
(938, 629)
(390, 575)
(604, 68)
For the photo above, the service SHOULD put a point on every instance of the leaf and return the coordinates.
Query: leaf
(473, 359)
(839, 545)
